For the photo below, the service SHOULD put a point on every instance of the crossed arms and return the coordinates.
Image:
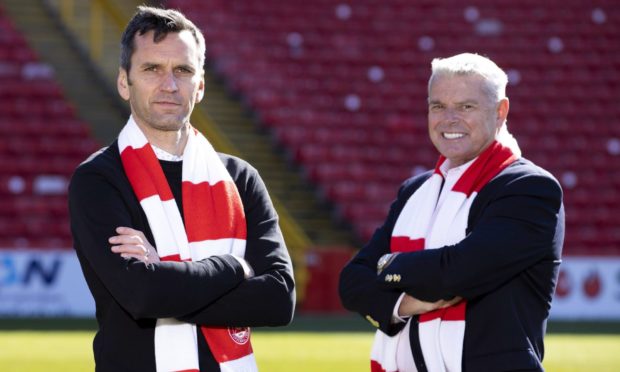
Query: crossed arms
(511, 229)
(210, 292)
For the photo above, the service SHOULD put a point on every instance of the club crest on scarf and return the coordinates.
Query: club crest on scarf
(241, 335)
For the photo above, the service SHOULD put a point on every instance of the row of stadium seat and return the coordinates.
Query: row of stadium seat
(42, 143)
(342, 85)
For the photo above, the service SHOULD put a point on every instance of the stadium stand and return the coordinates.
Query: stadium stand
(42, 142)
(342, 86)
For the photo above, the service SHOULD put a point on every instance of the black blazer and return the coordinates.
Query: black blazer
(506, 268)
(129, 296)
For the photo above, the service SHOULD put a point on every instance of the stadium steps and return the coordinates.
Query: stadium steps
(95, 103)
(79, 22)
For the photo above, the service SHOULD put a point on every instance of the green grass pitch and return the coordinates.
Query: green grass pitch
(69, 351)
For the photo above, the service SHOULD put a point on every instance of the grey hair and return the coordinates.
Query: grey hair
(472, 64)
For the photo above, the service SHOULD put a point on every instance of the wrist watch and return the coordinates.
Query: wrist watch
(384, 261)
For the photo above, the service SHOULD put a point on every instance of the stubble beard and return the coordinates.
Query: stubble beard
(168, 124)
(162, 122)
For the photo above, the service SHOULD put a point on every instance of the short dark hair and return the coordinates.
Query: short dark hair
(162, 21)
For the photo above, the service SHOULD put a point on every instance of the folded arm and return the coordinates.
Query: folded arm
(267, 298)
(515, 231)
(359, 289)
(157, 290)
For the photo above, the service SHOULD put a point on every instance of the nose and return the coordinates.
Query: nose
(169, 83)
(451, 115)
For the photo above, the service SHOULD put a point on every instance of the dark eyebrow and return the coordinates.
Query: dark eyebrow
(146, 65)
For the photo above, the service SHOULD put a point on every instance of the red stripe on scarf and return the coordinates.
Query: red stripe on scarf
(440, 161)
(375, 366)
(405, 244)
(226, 348)
(216, 211)
(145, 173)
(455, 312)
(492, 161)
(431, 315)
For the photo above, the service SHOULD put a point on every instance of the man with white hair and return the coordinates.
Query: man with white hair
(461, 275)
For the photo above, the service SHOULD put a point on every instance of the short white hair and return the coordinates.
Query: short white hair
(472, 64)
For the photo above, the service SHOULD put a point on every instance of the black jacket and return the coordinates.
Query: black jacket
(506, 268)
(129, 296)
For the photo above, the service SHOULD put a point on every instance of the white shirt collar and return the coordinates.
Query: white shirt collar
(445, 169)
(165, 155)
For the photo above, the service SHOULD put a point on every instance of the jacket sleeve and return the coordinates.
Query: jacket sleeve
(164, 289)
(268, 298)
(520, 227)
(359, 289)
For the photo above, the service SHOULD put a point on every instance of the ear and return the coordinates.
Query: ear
(201, 89)
(502, 111)
(122, 84)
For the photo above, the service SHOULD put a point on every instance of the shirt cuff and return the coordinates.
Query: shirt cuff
(395, 317)
(247, 269)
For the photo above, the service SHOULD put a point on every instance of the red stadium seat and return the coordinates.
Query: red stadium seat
(42, 143)
(295, 63)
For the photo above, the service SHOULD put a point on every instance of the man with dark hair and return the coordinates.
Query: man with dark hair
(461, 275)
(161, 22)
(180, 245)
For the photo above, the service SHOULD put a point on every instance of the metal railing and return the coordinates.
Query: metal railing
(96, 25)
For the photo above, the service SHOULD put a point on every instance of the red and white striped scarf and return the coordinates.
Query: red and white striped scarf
(214, 225)
(421, 225)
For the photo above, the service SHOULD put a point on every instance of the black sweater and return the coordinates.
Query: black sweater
(130, 295)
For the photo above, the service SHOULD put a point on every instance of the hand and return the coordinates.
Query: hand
(132, 243)
(410, 306)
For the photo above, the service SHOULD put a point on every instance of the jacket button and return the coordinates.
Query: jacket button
(372, 321)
